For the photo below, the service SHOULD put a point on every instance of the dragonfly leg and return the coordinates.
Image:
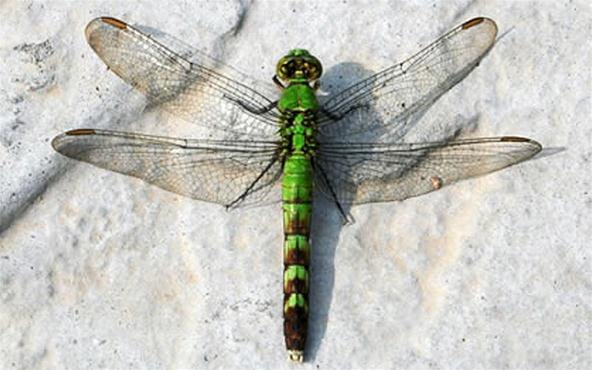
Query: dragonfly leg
(278, 83)
(337, 117)
(333, 116)
(347, 219)
(241, 197)
(250, 108)
(316, 85)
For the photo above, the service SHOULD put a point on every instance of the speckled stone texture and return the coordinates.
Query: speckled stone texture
(98, 270)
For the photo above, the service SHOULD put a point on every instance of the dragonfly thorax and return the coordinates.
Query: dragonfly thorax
(299, 66)
(299, 134)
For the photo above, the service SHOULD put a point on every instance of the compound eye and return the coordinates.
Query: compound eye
(314, 73)
(283, 71)
(291, 68)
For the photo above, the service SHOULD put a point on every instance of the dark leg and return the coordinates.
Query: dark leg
(277, 82)
(337, 117)
(251, 186)
(316, 85)
(346, 219)
(250, 108)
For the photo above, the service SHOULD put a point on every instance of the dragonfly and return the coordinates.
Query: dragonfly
(347, 147)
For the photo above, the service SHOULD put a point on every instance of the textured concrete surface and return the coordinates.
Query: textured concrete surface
(98, 270)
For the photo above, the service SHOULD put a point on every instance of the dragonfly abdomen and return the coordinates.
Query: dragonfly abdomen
(297, 211)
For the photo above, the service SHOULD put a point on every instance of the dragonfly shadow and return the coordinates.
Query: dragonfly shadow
(342, 75)
(549, 151)
(376, 119)
(327, 220)
(326, 228)
(327, 223)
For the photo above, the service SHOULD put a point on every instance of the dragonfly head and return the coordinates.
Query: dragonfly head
(299, 64)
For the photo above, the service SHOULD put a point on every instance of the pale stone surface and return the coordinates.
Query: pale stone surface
(101, 270)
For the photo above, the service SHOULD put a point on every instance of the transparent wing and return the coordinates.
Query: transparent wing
(233, 174)
(202, 58)
(365, 173)
(385, 104)
(189, 90)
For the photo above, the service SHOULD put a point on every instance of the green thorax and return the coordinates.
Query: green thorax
(298, 105)
(298, 97)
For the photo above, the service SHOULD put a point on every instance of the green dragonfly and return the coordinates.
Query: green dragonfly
(346, 147)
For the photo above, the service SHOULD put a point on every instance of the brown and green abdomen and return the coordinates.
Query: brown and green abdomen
(297, 211)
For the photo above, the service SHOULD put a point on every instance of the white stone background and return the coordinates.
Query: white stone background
(99, 270)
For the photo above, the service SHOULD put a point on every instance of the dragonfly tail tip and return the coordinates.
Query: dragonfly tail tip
(295, 355)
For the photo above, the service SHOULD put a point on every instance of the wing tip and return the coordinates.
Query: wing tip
(483, 22)
(475, 21)
(114, 22)
(101, 22)
(519, 139)
(55, 142)
(81, 131)
(60, 142)
(535, 145)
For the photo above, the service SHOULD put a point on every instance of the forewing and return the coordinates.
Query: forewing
(198, 56)
(386, 103)
(192, 91)
(209, 170)
(365, 173)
